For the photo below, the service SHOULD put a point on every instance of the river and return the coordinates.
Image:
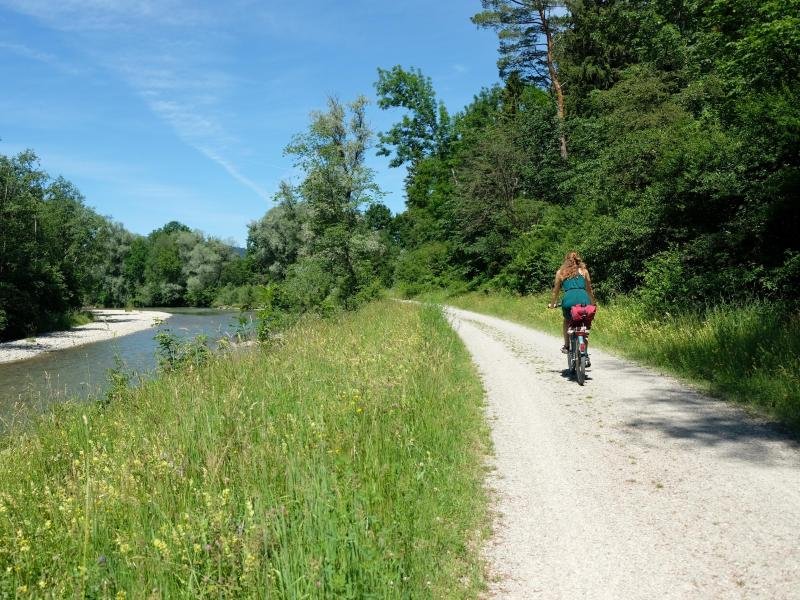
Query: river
(82, 372)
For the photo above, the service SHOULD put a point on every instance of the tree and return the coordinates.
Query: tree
(114, 286)
(275, 241)
(378, 217)
(337, 185)
(170, 228)
(423, 140)
(203, 268)
(425, 131)
(135, 262)
(527, 31)
(49, 246)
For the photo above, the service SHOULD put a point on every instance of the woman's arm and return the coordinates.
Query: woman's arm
(589, 286)
(556, 288)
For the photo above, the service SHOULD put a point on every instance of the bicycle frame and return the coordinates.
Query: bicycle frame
(578, 354)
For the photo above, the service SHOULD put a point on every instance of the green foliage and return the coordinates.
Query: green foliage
(425, 130)
(521, 27)
(275, 241)
(49, 246)
(308, 284)
(81, 317)
(535, 257)
(424, 268)
(119, 380)
(164, 260)
(229, 295)
(174, 353)
(683, 175)
(328, 243)
(336, 187)
(665, 283)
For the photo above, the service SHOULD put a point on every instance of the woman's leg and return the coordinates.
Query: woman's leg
(566, 336)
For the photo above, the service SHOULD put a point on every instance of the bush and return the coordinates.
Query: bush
(242, 296)
(307, 285)
(665, 283)
(535, 259)
(423, 269)
(174, 353)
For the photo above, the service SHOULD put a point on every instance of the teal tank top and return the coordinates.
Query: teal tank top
(578, 282)
(574, 293)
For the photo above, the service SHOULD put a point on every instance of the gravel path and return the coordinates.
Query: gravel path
(108, 323)
(632, 486)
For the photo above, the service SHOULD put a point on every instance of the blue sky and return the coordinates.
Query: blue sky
(169, 109)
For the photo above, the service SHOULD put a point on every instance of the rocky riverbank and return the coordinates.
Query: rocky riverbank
(107, 324)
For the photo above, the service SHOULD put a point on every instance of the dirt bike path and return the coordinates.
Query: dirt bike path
(632, 486)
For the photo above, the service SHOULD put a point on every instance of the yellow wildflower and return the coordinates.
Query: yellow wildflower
(161, 547)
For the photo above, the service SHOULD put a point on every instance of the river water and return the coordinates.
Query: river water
(83, 371)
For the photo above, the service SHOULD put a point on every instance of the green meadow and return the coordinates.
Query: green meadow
(345, 461)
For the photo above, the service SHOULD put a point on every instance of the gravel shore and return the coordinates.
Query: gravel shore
(108, 324)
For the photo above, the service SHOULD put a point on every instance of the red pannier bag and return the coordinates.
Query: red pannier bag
(583, 314)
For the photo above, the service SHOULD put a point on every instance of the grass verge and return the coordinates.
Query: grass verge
(746, 353)
(347, 463)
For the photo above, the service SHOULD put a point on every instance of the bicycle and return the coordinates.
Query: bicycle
(578, 332)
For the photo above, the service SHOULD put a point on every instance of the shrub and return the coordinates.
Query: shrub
(665, 282)
(423, 269)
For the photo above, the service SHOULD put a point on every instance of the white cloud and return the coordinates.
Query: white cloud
(164, 50)
(234, 172)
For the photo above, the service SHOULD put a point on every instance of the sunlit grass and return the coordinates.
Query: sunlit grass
(748, 353)
(346, 463)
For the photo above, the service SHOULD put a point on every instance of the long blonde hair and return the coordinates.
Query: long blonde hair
(571, 265)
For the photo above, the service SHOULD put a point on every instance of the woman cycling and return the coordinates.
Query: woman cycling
(573, 278)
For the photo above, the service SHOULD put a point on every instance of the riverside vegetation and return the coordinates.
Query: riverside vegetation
(345, 462)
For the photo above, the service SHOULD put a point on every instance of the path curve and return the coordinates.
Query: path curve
(633, 486)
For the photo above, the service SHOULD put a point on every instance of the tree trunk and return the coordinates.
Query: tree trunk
(554, 80)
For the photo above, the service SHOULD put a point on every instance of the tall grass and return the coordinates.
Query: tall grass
(344, 464)
(747, 352)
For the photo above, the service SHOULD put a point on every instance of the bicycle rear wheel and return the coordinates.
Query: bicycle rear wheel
(571, 352)
(580, 371)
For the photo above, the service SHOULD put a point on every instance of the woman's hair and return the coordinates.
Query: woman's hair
(572, 262)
